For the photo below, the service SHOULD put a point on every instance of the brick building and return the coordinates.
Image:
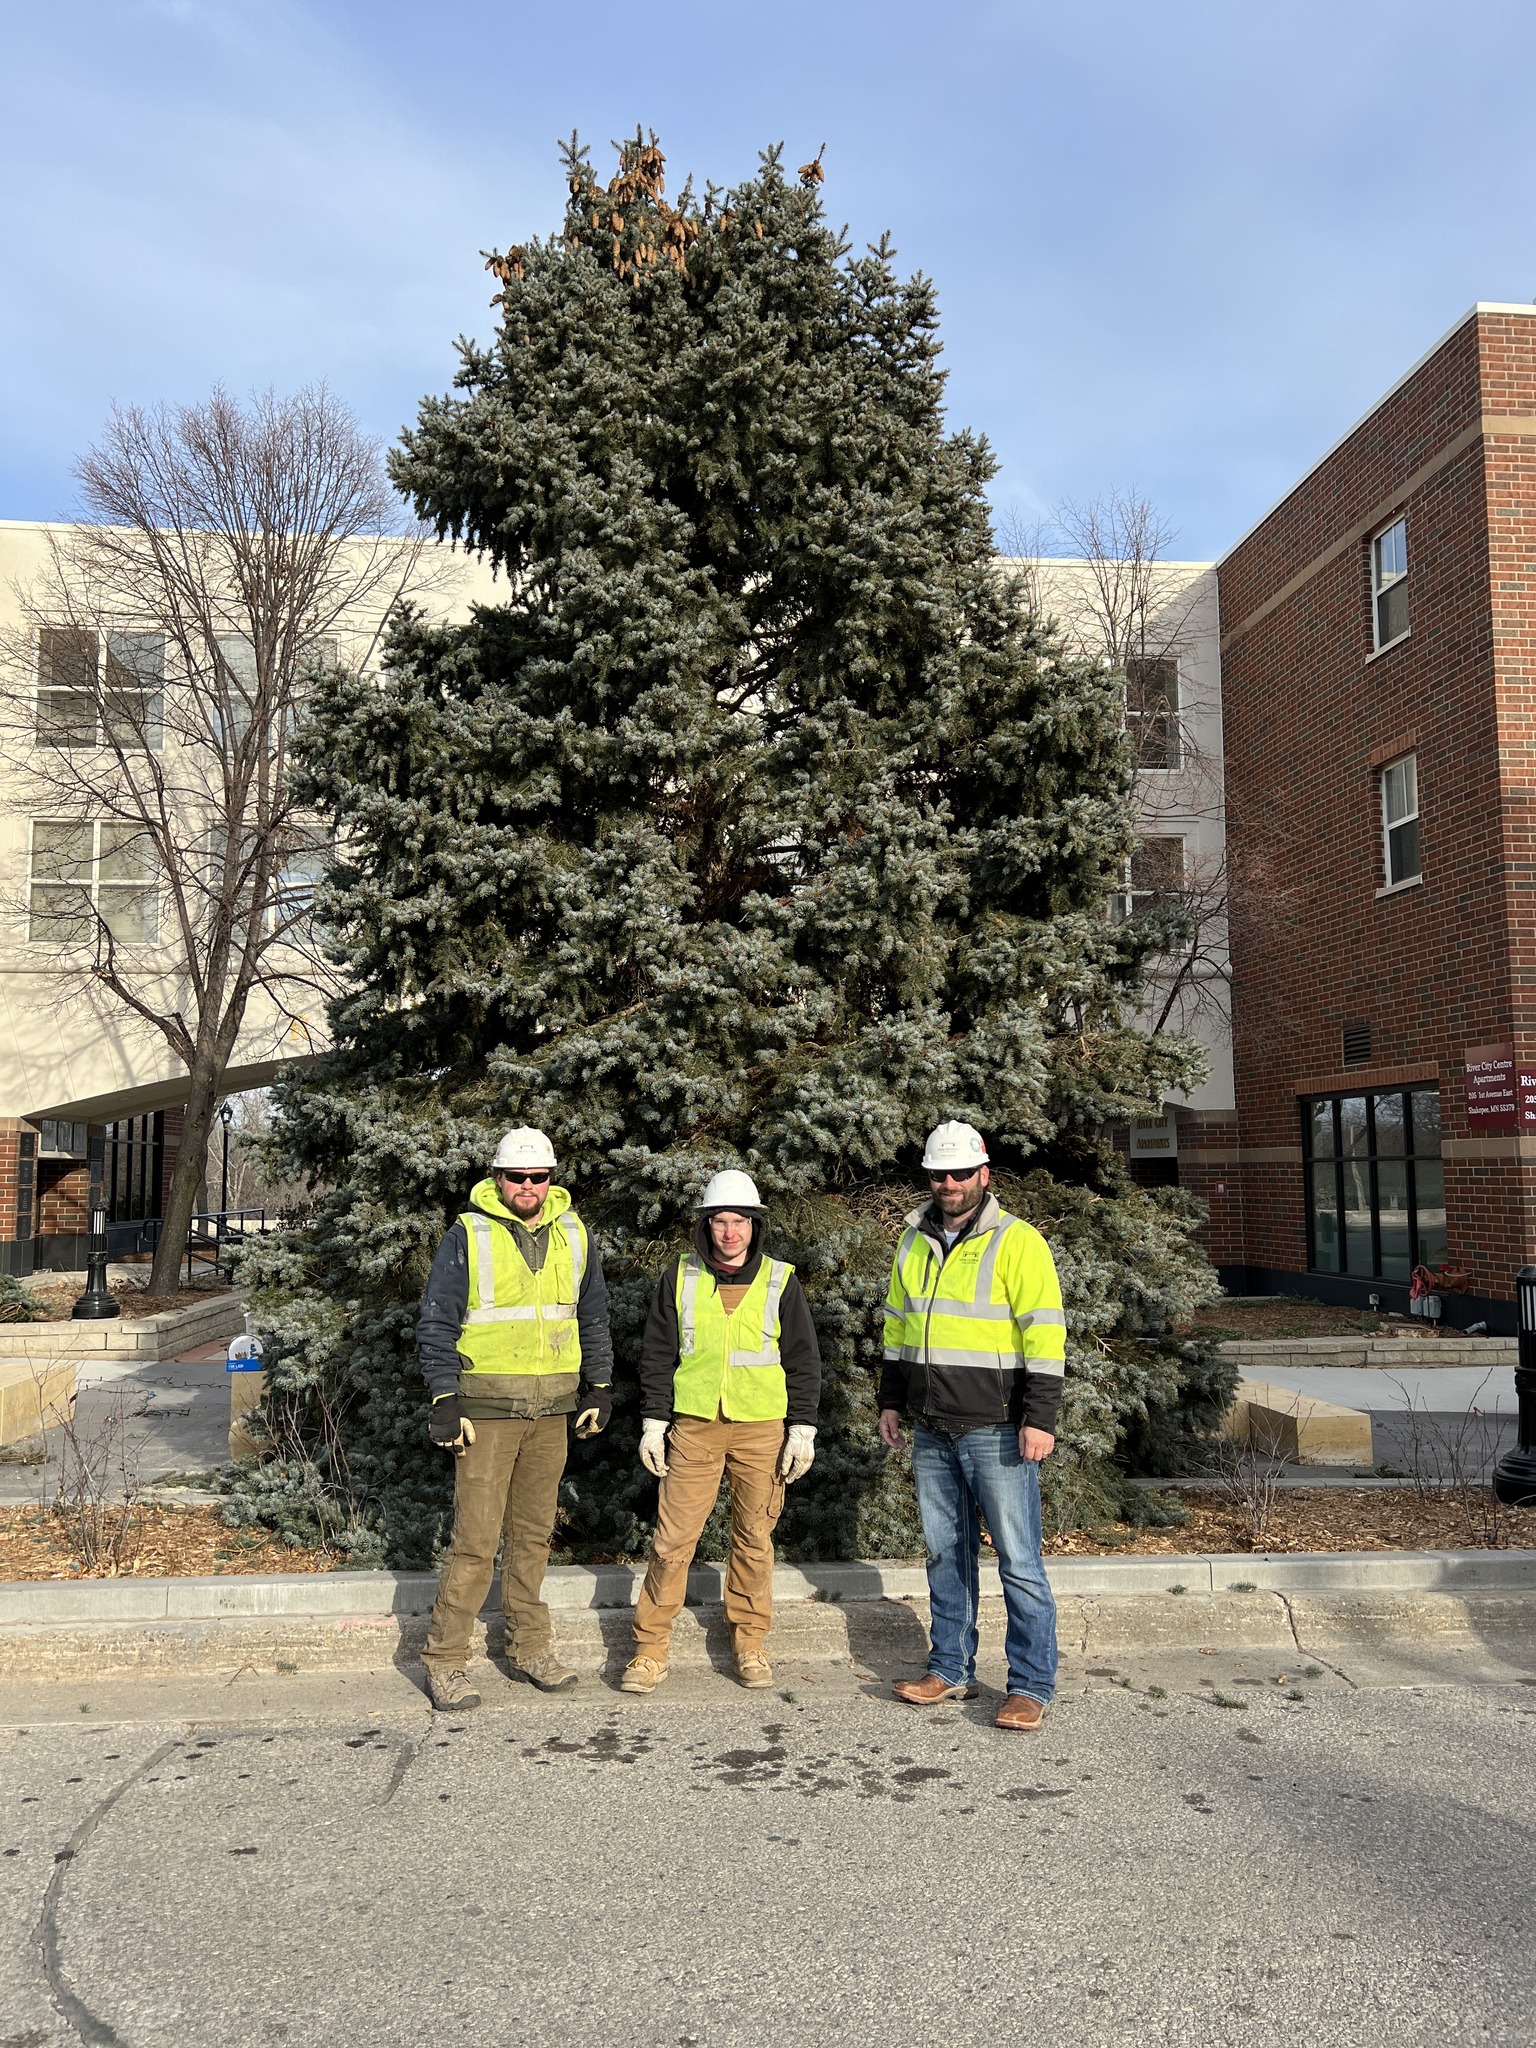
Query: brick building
(1378, 683)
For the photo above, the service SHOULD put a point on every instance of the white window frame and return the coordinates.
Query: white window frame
(1128, 898)
(153, 722)
(1389, 824)
(92, 887)
(1385, 580)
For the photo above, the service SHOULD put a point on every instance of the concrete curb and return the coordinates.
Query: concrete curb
(371, 1596)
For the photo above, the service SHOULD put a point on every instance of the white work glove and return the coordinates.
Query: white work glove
(799, 1452)
(653, 1446)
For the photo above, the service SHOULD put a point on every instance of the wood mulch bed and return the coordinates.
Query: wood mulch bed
(57, 1298)
(1327, 1518)
(166, 1543)
(192, 1542)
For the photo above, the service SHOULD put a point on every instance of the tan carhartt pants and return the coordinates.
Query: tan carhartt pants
(698, 1453)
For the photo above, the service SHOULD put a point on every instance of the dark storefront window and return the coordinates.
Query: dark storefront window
(1375, 1186)
(132, 1167)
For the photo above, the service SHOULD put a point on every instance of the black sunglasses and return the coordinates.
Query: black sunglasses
(938, 1179)
(520, 1180)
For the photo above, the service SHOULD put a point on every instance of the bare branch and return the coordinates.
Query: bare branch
(228, 556)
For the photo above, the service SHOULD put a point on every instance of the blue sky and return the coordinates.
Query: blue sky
(1179, 246)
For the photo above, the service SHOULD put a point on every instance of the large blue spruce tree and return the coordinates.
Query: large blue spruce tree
(757, 825)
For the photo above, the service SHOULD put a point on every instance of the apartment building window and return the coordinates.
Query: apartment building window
(293, 885)
(242, 682)
(1389, 582)
(1400, 819)
(100, 689)
(80, 872)
(1154, 876)
(131, 1168)
(1375, 1185)
(1152, 709)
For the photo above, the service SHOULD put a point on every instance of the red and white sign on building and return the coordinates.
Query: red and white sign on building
(1500, 1098)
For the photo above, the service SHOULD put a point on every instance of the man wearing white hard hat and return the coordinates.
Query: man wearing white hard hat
(730, 1382)
(513, 1338)
(975, 1351)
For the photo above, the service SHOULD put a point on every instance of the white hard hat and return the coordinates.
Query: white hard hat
(524, 1147)
(731, 1190)
(954, 1147)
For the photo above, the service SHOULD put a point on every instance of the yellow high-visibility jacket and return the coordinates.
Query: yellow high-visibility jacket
(974, 1334)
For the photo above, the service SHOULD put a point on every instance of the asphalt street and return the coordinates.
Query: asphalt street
(1313, 1862)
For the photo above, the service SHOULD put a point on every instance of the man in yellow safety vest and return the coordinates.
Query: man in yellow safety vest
(730, 1381)
(975, 1350)
(513, 1338)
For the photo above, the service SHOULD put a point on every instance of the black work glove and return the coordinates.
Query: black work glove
(446, 1425)
(594, 1409)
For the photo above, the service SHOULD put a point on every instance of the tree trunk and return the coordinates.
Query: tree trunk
(181, 1196)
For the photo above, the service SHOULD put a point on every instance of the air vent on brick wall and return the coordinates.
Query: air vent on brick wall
(1356, 1040)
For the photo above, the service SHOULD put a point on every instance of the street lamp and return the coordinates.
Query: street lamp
(226, 1118)
(96, 1302)
(1514, 1476)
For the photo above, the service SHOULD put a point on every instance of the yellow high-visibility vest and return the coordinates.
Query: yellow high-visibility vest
(993, 1303)
(730, 1364)
(519, 1321)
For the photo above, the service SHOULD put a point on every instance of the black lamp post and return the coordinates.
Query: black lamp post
(1514, 1476)
(226, 1118)
(96, 1302)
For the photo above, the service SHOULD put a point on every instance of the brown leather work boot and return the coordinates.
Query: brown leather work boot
(545, 1671)
(927, 1692)
(642, 1674)
(753, 1669)
(451, 1692)
(1019, 1712)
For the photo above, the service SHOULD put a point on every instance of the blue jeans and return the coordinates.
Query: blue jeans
(958, 1481)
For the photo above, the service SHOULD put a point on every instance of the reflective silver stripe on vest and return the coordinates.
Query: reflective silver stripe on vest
(551, 1312)
(485, 1280)
(692, 1268)
(1054, 1318)
(575, 1238)
(985, 1361)
(988, 1264)
(778, 1274)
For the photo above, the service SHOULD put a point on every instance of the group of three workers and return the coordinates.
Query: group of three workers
(514, 1339)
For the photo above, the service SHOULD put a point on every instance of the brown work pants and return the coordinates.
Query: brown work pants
(698, 1452)
(506, 1486)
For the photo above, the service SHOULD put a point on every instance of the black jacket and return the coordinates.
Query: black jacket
(797, 1336)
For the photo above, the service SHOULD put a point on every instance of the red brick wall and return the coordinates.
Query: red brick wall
(1310, 715)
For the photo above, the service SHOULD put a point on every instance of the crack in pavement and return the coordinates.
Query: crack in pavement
(46, 1933)
(1301, 1648)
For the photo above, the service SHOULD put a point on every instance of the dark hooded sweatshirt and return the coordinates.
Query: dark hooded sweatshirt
(797, 1333)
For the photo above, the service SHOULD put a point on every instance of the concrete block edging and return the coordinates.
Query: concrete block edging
(364, 1596)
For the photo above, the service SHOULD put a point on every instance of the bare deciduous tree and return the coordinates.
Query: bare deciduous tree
(151, 700)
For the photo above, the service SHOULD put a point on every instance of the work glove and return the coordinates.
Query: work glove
(653, 1446)
(594, 1407)
(449, 1429)
(799, 1453)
